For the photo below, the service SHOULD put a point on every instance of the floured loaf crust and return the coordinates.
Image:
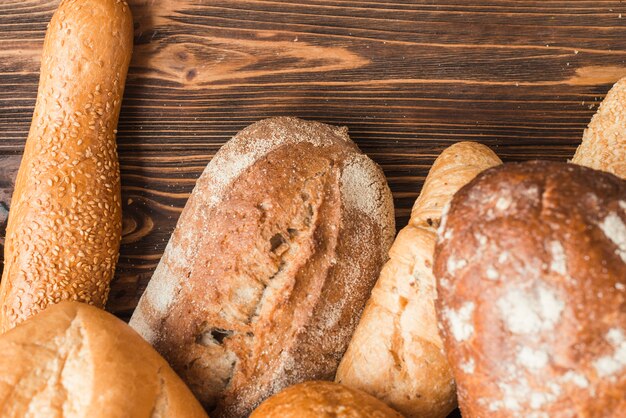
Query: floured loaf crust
(270, 265)
(531, 270)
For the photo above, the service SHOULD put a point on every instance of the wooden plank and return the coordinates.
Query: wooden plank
(407, 77)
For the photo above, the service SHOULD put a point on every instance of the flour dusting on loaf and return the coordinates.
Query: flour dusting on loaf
(546, 278)
(364, 188)
(238, 154)
(270, 265)
(246, 148)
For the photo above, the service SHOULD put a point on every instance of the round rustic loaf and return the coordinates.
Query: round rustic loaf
(272, 260)
(531, 270)
(73, 360)
(318, 399)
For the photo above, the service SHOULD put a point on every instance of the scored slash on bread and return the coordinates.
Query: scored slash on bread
(395, 353)
(64, 227)
(270, 265)
(75, 361)
(604, 141)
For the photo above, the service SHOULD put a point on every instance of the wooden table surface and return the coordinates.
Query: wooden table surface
(407, 77)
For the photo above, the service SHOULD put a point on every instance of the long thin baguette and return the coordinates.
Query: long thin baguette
(396, 353)
(604, 141)
(64, 226)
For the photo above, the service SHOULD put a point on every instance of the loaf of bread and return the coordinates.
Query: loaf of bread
(604, 140)
(319, 399)
(531, 271)
(270, 265)
(64, 227)
(74, 361)
(395, 353)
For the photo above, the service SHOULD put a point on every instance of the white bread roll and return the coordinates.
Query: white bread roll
(396, 353)
(75, 361)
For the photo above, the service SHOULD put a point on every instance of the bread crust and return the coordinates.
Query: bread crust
(604, 141)
(75, 361)
(319, 399)
(64, 227)
(398, 329)
(531, 270)
(270, 265)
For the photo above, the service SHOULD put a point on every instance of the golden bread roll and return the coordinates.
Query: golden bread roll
(318, 399)
(75, 361)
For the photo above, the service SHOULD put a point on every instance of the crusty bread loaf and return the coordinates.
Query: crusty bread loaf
(270, 265)
(318, 399)
(604, 140)
(74, 361)
(64, 227)
(531, 271)
(395, 353)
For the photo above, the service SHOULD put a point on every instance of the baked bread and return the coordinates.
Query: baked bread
(318, 399)
(604, 140)
(76, 361)
(531, 271)
(395, 353)
(64, 227)
(270, 265)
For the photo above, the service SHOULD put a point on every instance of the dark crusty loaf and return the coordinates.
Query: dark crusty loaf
(531, 269)
(270, 265)
(76, 361)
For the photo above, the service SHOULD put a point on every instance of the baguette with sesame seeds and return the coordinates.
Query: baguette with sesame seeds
(64, 226)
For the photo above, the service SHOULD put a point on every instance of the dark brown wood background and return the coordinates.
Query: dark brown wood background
(407, 77)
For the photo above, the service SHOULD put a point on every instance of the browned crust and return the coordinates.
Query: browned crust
(64, 227)
(531, 271)
(319, 399)
(76, 361)
(240, 316)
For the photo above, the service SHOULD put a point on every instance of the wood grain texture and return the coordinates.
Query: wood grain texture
(407, 77)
